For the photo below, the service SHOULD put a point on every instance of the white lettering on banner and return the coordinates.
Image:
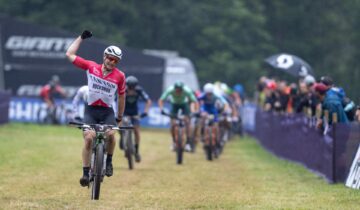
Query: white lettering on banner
(29, 110)
(23, 111)
(38, 43)
(34, 90)
(35, 54)
(34, 47)
(155, 117)
(11, 110)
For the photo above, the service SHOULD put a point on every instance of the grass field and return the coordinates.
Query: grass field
(40, 167)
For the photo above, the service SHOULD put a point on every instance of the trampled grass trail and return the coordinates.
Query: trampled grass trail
(40, 167)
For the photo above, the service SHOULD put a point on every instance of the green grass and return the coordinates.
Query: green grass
(40, 167)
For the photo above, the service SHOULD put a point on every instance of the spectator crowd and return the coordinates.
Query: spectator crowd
(320, 98)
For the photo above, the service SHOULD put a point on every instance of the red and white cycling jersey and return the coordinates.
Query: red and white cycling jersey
(102, 89)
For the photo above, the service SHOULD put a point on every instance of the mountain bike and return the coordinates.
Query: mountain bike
(195, 131)
(209, 137)
(98, 155)
(126, 141)
(47, 115)
(180, 135)
(55, 115)
(225, 131)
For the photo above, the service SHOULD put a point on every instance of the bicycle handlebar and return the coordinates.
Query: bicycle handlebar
(196, 115)
(93, 126)
(178, 117)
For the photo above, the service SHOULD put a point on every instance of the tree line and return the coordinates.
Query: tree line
(226, 40)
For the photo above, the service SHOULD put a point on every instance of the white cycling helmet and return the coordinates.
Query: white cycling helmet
(114, 51)
(309, 80)
(208, 88)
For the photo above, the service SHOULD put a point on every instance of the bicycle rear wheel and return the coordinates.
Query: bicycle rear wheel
(98, 169)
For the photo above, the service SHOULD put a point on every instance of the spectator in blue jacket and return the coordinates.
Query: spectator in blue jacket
(347, 103)
(330, 102)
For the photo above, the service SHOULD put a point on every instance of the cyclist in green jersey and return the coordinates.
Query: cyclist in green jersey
(181, 98)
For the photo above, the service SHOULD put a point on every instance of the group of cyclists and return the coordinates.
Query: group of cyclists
(215, 100)
(109, 95)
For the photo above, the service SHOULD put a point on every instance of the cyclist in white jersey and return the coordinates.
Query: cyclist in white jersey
(80, 98)
(104, 81)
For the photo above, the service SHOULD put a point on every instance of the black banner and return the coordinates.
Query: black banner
(33, 53)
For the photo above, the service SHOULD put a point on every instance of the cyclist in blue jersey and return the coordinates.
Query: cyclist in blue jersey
(208, 103)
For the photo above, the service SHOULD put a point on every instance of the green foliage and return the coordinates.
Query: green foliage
(227, 40)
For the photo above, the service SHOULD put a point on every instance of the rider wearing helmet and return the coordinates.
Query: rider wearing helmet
(134, 93)
(52, 90)
(209, 101)
(48, 93)
(104, 82)
(209, 105)
(181, 98)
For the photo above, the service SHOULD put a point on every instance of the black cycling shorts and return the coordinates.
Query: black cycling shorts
(99, 115)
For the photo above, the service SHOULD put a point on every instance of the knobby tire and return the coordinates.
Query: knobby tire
(98, 169)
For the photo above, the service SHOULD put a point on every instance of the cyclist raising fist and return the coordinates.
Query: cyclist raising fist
(104, 81)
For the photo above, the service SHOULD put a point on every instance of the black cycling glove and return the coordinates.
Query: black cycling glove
(163, 112)
(118, 119)
(86, 34)
(143, 115)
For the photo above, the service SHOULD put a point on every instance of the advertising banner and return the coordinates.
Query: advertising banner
(34, 110)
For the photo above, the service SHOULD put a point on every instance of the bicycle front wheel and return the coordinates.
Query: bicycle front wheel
(129, 150)
(209, 147)
(98, 170)
(180, 146)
